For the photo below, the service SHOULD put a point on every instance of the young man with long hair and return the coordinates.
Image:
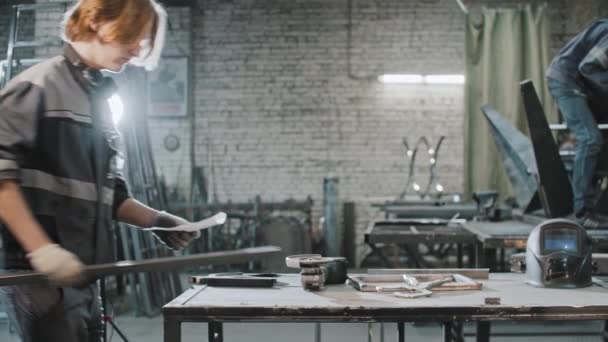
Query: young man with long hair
(61, 183)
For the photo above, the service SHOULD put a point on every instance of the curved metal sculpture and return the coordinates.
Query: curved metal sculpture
(433, 154)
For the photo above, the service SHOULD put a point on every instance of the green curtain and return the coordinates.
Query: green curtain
(503, 47)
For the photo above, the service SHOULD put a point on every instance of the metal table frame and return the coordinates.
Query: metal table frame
(406, 234)
(341, 304)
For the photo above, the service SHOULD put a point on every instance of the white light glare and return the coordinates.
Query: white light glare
(444, 79)
(401, 78)
(416, 187)
(116, 107)
(420, 79)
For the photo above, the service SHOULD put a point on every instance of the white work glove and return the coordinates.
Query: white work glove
(61, 266)
(174, 240)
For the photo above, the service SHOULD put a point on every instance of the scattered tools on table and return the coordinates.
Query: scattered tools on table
(473, 273)
(318, 271)
(413, 285)
(412, 288)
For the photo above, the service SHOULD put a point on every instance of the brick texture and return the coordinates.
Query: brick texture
(282, 98)
(175, 166)
(284, 92)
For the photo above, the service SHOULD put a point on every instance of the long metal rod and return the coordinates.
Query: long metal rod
(128, 255)
(152, 265)
(12, 37)
(142, 278)
(462, 7)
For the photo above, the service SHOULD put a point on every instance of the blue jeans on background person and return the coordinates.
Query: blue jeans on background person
(580, 121)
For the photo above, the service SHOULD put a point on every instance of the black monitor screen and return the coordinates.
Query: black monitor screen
(560, 239)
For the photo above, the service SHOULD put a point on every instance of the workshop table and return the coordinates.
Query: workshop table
(492, 236)
(406, 234)
(289, 302)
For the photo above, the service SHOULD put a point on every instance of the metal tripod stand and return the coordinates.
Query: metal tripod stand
(105, 317)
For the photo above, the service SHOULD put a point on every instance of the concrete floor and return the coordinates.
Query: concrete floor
(141, 329)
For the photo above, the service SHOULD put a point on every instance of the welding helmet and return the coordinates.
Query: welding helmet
(558, 255)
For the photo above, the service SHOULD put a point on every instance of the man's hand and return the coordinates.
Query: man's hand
(174, 240)
(60, 265)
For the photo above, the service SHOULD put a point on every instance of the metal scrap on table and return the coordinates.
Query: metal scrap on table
(413, 285)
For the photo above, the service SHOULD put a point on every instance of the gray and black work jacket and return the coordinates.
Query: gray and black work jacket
(583, 62)
(47, 146)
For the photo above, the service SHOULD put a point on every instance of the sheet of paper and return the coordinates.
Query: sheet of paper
(209, 222)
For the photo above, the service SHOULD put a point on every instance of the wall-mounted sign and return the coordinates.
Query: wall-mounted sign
(168, 88)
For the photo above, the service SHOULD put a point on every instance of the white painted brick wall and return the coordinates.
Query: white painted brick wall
(276, 110)
(175, 166)
(274, 107)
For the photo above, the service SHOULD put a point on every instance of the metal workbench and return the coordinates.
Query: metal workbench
(421, 210)
(406, 234)
(493, 236)
(289, 302)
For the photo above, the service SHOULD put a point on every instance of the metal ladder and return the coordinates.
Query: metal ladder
(8, 65)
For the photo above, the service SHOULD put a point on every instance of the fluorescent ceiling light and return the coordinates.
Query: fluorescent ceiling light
(401, 78)
(422, 79)
(444, 79)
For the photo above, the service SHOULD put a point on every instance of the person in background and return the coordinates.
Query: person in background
(61, 183)
(578, 81)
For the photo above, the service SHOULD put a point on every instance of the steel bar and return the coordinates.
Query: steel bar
(483, 331)
(332, 228)
(144, 288)
(12, 37)
(215, 332)
(554, 187)
(401, 332)
(128, 255)
(152, 265)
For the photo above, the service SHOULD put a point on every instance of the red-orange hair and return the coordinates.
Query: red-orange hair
(128, 18)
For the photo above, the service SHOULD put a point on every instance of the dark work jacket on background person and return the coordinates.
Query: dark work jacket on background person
(47, 146)
(583, 63)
